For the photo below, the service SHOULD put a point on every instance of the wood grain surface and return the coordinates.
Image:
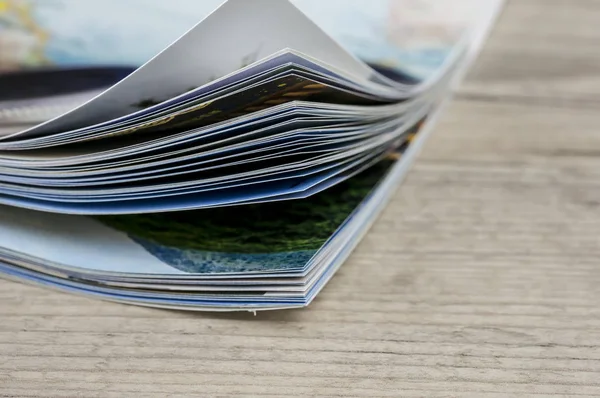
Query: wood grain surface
(480, 279)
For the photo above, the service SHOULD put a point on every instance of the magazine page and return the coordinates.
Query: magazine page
(412, 34)
(415, 36)
(282, 205)
(206, 52)
(194, 59)
(274, 235)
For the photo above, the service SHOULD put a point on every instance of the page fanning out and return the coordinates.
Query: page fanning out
(205, 53)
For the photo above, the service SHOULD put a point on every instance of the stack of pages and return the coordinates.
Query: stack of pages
(235, 169)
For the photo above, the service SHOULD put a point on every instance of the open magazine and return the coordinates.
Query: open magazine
(228, 164)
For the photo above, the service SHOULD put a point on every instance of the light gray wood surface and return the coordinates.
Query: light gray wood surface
(542, 51)
(481, 279)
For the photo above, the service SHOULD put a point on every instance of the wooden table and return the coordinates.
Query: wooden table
(481, 279)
